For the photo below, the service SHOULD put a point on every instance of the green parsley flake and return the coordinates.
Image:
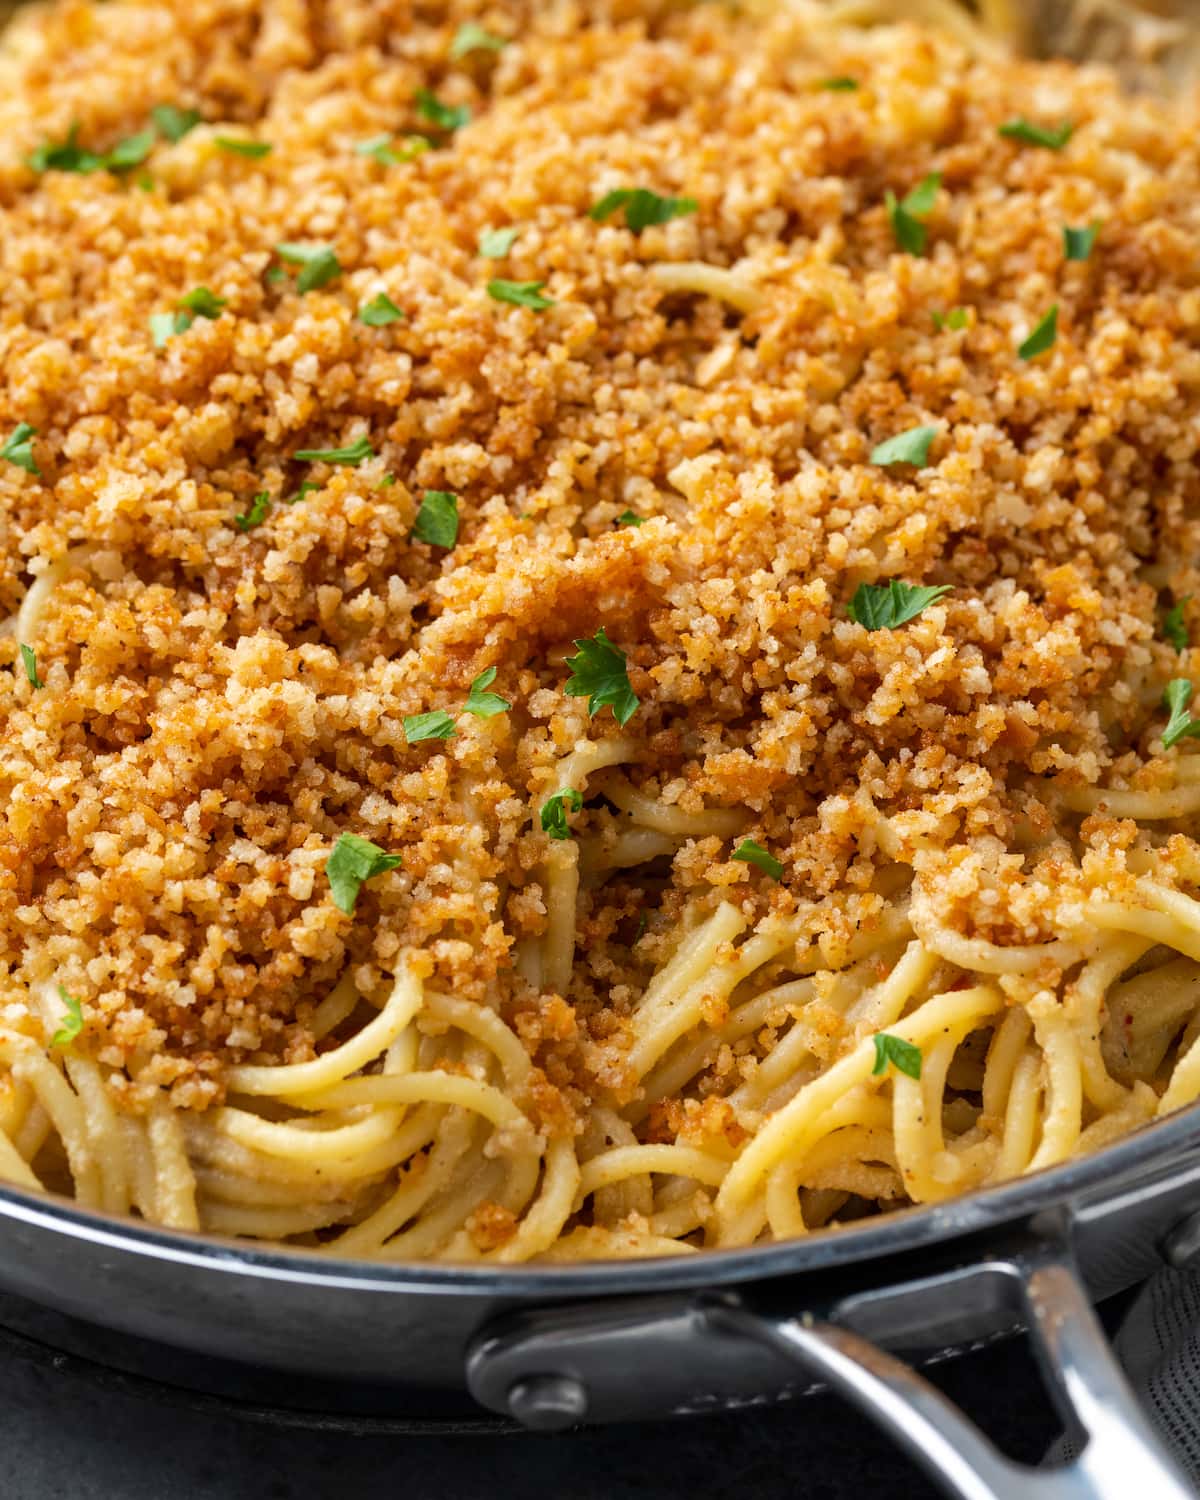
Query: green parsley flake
(630, 518)
(353, 455)
(1042, 337)
(353, 860)
(145, 182)
(202, 302)
(319, 265)
(907, 214)
(520, 293)
(895, 1050)
(381, 149)
(642, 208)
(751, 853)
(884, 606)
(72, 1021)
(480, 702)
(172, 122)
(238, 145)
(66, 156)
(131, 152)
(1180, 725)
(1078, 243)
(957, 318)
(432, 726)
(165, 325)
(472, 37)
(554, 813)
(839, 85)
(1020, 129)
(910, 447)
(29, 661)
(494, 244)
(306, 488)
(437, 519)
(442, 116)
(379, 312)
(601, 675)
(1174, 626)
(260, 508)
(19, 448)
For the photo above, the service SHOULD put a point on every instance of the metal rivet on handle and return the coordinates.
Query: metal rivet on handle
(1181, 1247)
(547, 1403)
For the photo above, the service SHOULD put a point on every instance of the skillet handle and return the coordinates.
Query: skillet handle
(1121, 1456)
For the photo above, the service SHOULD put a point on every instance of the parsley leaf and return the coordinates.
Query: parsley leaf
(751, 853)
(443, 116)
(19, 448)
(65, 156)
(520, 293)
(165, 325)
(884, 606)
(238, 145)
(1042, 337)
(29, 660)
(353, 860)
(260, 508)
(894, 1049)
(494, 244)
(482, 704)
(600, 674)
(1174, 626)
(911, 447)
(907, 213)
(630, 518)
(379, 312)
(380, 149)
(307, 486)
(1180, 725)
(131, 152)
(174, 123)
(554, 813)
(437, 519)
(642, 207)
(839, 85)
(352, 456)
(198, 303)
(1077, 243)
(72, 1022)
(202, 302)
(318, 262)
(1052, 138)
(472, 37)
(957, 318)
(432, 726)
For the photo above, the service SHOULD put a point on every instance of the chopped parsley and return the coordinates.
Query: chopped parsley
(437, 519)
(895, 1050)
(1180, 725)
(630, 518)
(472, 37)
(380, 149)
(131, 152)
(379, 312)
(1174, 626)
(520, 293)
(956, 319)
(1042, 337)
(554, 813)
(165, 325)
(442, 116)
(260, 508)
(910, 447)
(908, 214)
(601, 675)
(751, 853)
(353, 455)
(494, 244)
(19, 448)
(65, 156)
(29, 661)
(1052, 138)
(838, 85)
(480, 702)
(884, 606)
(198, 303)
(72, 1022)
(1077, 243)
(319, 265)
(172, 122)
(306, 488)
(353, 860)
(238, 145)
(642, 208)
(202, 302)
(432, 726)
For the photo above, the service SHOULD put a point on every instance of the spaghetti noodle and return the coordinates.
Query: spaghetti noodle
(680, 758)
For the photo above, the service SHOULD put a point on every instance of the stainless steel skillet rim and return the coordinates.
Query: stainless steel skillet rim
(1157, 1145)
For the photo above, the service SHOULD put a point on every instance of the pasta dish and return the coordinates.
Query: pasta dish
(597, 609)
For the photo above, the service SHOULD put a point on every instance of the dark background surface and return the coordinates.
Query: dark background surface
(74, 1429)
